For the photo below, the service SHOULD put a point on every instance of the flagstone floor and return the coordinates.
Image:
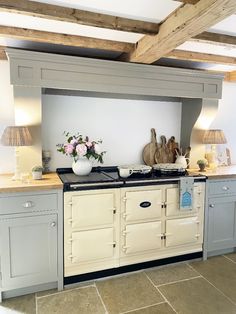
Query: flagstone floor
(188, 288)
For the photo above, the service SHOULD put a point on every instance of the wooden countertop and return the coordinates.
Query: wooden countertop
(49, 181)
(226, 172)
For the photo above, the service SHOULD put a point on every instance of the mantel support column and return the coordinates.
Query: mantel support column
(197, 116)
(28, 111)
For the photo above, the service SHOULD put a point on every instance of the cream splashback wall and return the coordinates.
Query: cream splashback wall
(123, 125)
(6, 117)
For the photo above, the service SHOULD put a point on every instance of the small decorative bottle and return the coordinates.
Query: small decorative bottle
(46, 157)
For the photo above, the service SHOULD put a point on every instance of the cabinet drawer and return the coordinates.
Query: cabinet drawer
(27, 203)
(222, 187)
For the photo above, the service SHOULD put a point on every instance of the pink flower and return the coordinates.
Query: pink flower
(81, 149)
(89, 144)
(69, 148)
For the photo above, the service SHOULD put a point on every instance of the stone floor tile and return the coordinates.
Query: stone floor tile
(162, 308)
(24, 304)
(66, 288)
(221, 272)
(197, 296)
(231, 256)
(82, 301)
(128, 292)
(171, 273)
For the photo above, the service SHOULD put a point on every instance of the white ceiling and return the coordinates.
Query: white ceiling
(146, 10)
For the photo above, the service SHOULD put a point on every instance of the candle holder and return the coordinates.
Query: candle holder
(46, 157)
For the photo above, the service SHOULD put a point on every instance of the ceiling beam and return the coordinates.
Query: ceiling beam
(186, 22)
(65, 14)
(64, 39)
(214, 38)
(3, 55)
(188, 1)
(231, 76)
(200, 57)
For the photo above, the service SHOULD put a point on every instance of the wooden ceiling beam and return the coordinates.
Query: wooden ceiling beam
(64, 39)
(200, 57)
(3, 55)
(215, 38)
(186, 22)
(65, 14)
(230, 76)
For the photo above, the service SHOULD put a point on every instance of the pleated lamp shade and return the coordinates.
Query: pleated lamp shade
(16, 136)
(214, 137)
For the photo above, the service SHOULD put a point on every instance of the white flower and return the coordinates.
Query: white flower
(81, 149)
(97, 149)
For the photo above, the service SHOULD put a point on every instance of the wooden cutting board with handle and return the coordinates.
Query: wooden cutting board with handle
(172, 145)
(162, 154)
(150, 149)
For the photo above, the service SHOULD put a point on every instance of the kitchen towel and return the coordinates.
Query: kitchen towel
(186, 193)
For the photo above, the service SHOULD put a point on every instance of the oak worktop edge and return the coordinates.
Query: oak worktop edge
(49, 181)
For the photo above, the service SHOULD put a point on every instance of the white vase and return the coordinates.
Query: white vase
(82, 167)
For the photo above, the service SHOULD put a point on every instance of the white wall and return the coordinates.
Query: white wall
(226, 117)
(123, 125)
(6, 116)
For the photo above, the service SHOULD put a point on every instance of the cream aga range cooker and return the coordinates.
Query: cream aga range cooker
(112, 225)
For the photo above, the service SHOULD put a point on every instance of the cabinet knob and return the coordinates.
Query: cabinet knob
(53, 224)
(212, 205)
(225, 188)
(28, 204)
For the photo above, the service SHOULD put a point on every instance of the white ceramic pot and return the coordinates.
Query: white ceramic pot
(37, 175)
(182, 161)
(82, 167)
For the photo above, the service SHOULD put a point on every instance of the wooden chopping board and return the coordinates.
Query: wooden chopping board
(172, 146)
(162, 154)
(150, 150)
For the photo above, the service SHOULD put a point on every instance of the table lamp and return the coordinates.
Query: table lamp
(213, 137)
(16, 136)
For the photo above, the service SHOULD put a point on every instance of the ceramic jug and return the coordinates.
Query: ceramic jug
(183, 161)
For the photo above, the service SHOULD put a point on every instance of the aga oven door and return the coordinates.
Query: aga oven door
(92, 245)
(92, 210)
(142, 237)
(139, 205)
(183, 231)
(172, 201)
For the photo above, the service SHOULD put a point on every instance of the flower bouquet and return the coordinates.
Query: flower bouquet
(81, 149)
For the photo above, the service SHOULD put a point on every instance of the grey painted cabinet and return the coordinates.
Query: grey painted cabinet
(31, 243)
(220, 232)
(30, 251)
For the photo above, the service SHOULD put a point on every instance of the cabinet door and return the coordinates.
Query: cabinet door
(221, 223)
(92, 245)
(142, 237)
(142, 205)
(92, 210)
(182, 231)
(29, 247)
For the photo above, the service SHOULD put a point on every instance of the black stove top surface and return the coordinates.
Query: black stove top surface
(108, 177)
(93, 177)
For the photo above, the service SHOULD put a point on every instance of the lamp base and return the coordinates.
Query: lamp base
(16, 177)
